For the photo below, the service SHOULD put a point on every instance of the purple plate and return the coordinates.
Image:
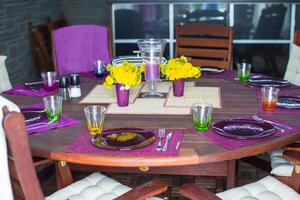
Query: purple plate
(264, 82)
(288, 102)
(211, 70)
(33, 115)
(243, 128)
(123, 138)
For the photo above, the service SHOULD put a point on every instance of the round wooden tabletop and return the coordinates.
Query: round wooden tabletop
(237, 101)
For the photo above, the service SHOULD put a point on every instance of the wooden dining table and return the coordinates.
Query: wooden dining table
(198, 156)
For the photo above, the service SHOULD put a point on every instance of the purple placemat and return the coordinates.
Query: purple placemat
(23, 90)
(92, 75)
(227, 74)
(230, 143)
(63, 122)
(83, 145)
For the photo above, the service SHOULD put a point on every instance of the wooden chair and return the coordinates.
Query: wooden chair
(40, 37)
(206, 44)
(268, 188)
(25, 184)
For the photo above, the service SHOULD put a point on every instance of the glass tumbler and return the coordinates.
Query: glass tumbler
(99, 68)
(49, 80)
(243, 72)
(202, 116)
(95, 118)
(269, 98)
(53, 107)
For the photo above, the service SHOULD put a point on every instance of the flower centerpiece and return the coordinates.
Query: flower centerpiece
(177, 70)
(123, 77)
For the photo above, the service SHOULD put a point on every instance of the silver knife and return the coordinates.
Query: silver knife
(165, 148)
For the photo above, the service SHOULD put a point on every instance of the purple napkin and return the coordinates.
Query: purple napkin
(83, 145)
(230, 143)
(77, 46)
(63, 122)
(23, 90)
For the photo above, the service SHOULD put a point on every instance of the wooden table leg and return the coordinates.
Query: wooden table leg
(230, 182)
(63, 174)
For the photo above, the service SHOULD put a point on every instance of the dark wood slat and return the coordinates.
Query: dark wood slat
(202, 42)
(196, 192)
(204, 53)
(202, 29)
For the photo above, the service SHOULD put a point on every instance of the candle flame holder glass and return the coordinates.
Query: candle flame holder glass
(152, 50)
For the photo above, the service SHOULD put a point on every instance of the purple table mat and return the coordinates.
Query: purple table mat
(227, 74)
(92, 75)
(230, 143)
(83, 145)
(63, 122)
(23, 90)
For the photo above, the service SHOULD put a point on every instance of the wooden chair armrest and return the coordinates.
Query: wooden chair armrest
(144, 191)
(293, 156)
(196, 192)
(292, 147)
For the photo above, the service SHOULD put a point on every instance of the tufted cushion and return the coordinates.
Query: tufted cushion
(292, 72)
(280, 166)
(93, 187)
(4, 79)
(268, 188)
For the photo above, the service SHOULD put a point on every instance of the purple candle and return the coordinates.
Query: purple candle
(151, 71)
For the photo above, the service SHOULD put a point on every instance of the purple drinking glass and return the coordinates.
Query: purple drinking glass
(122, 95)
(178, 87)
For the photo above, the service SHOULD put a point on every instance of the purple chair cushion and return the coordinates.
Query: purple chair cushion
(77, 46)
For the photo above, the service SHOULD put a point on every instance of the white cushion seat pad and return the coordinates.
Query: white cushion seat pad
(93, 187)
(280, 166)
(268, 188)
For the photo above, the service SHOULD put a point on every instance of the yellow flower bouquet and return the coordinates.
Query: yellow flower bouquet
(126, 74)
(123, 77)
(178, 68)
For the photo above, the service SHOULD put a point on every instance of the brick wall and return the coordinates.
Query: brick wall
(14, 38)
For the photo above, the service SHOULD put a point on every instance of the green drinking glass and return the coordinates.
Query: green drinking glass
(202, 116)
(53, 107)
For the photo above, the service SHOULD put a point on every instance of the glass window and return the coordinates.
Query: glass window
(269, 59)
(133, 21)
(262, 21)
(206, 12)
(297, 25)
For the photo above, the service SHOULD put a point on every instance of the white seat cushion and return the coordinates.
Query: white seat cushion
(4, 79)
(280, 166)
(93, 187)
(292, 72)
(268, 188)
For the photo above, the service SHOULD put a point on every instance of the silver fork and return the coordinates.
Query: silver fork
(161, 135)
(276, 125)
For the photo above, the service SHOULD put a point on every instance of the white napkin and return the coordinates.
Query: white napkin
(5, 189)
(4, 79)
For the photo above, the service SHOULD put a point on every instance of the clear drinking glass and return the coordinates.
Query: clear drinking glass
(243, 72)
(49, 80)
(95, 118)
(152, 50)
(99, 68)
(202, 116)
(53, 107)
(269, 98)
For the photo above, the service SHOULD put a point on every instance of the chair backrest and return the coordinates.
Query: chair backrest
(41, 46)
(4, 78)
(292, 72)
(206, 44)
(75, 47)
(59, 23)
(25, 183)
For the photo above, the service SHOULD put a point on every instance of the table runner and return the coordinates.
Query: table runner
(82, 144)
(63, 122)
(194, 95)
(100, 94)
(230, 143)
(164, 86)
(23, 90)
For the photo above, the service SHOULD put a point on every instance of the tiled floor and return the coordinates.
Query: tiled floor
(246, 174)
